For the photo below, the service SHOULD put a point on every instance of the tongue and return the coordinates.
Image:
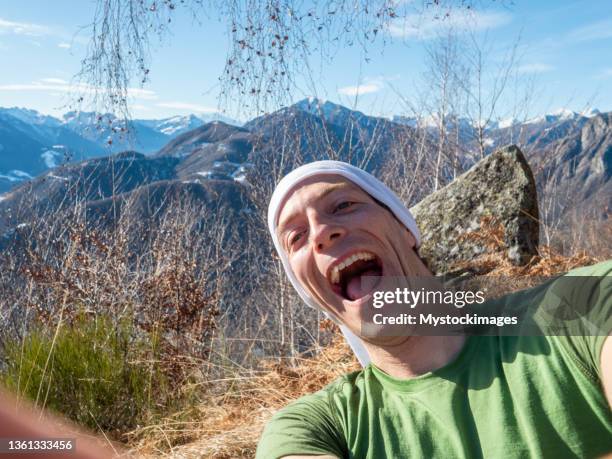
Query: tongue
(361, 284)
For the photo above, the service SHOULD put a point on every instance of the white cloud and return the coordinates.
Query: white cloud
(139, 93)
(55, 85)
(428, 25)
(596, 31)
(27, 29)
(53, 80)
(535, 67)
(370, 85)
(187, 106)
(140, 107)
(359, 90)
(22, 28)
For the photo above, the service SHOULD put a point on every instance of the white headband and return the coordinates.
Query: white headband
(367, 182)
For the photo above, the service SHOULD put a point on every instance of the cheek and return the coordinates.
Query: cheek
(302, 266)
(308, 275)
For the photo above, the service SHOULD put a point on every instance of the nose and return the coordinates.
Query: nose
(325, 233)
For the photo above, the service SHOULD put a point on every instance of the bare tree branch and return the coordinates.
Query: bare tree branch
(270, 43)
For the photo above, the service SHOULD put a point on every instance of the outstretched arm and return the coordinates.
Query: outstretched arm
(18, 420)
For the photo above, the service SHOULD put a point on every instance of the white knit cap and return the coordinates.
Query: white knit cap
(367, 182)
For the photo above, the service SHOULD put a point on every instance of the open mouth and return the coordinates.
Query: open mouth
(356, 276)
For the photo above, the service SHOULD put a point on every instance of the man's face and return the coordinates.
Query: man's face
(340, 242)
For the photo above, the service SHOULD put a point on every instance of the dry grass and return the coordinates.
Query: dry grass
(548, 262)
(229, 425)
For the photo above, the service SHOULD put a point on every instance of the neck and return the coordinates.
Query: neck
(415, 355)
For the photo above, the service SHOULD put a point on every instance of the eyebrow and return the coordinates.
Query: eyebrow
(328, 189)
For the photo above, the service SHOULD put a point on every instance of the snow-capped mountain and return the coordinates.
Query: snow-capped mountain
(31, 116)
(31, 142)
(218, 158)
(145, 135)
(562, 114)
(329, 111)
(175, 125)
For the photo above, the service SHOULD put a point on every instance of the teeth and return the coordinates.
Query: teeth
(335, 274)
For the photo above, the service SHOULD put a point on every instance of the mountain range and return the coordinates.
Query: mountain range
(570, 154)
(31, 143)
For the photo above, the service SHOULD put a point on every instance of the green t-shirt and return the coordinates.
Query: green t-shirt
(503, 396)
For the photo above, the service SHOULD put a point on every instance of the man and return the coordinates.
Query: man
(340, 233)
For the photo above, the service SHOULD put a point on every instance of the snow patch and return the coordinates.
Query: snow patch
(170, 130)
(590, 112)
(564, 113)
(225, 163)
(57, 177)
(50, 157)
(227, 170)
(508, 122)
(561, 114)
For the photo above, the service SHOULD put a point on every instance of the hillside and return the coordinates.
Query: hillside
(31, 143)
(565, 149)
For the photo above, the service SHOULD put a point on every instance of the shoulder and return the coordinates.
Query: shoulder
(310, 424)
(583, 292)
(321, 405)
(600, 269)
(577, 310)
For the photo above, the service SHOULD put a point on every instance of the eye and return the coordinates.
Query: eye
(343, 205)
(295, 237)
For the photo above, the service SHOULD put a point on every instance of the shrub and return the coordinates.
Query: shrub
(92, 370)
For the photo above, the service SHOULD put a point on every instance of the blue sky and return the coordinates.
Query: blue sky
(565, 48)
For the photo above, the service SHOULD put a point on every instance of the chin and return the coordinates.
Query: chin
(384, 340)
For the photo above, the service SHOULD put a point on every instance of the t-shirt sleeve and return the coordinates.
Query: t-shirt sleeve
(306, 426)
(585, 296)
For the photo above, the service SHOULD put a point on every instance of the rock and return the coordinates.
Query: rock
(500, 187)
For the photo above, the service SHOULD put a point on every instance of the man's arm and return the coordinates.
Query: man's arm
(606, 368)
(306, 428)
(19, 420)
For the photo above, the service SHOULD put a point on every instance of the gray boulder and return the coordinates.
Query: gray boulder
(501, 187)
